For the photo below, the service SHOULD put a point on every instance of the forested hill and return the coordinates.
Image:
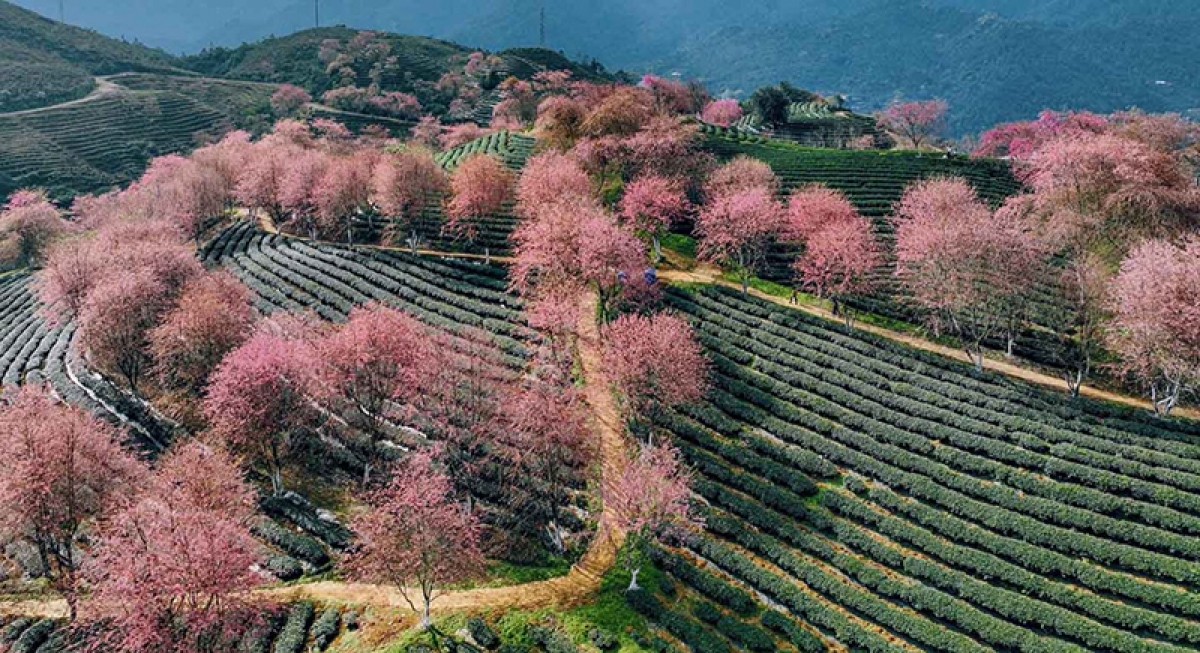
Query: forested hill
(995, 60)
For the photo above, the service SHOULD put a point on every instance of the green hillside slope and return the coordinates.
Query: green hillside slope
(892, 499)
(106, 141)
(43, 62)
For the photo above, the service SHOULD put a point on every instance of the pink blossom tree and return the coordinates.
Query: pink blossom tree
(427, 132)
(1019, 140)
(289, 99)
(736, 227)
(654, 361)
(548, 446)
(1079, 316)
(370, 369)
(212, 317)
(840, 248)
(257, 403)
(1156, 321)
(32, 222)
(403, 106)
(170, 569)
(560, 120)
(63, 469)
(260, 184)
(546, 247)
(742, 173)
(116, 319)
(966, 267)
(722, 113)
(406, 184)
(461, 134)
(296, 190)
(479, 187)
(417, 537)
(548, 178)
(649, 500)
(651, 204)
(70, 271)
(611, 261)
(917, 122)
(674, 97)
(343, 194)
(622, 113)
(1107, 190)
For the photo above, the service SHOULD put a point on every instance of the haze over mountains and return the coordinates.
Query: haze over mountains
(993, 60)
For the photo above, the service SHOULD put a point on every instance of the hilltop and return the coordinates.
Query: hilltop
(43, 62)
(295, 59)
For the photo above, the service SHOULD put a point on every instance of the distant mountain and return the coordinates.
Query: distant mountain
(990, 68)
(43, 62)
(994, 60)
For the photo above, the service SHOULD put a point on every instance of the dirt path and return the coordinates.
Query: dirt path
(582, 582)
(104, 88)
(711, 275)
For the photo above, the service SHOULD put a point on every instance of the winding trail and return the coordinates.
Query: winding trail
(583, 581)
(104, 88)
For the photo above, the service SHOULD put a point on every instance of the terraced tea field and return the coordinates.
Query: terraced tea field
(96, 144)
(894, 500)
(874, 180)
(296, 628)
(467, 301)
(35, 351)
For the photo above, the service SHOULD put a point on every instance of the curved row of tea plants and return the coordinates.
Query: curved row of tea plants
(467, 301)
(33, 350)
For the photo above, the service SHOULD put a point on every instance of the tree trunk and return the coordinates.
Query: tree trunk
(276, 481)
(633, 584)
(1074, 382)
(487, 256)
(556, 536)
(976, 356)
(426, 621)
(657, 248)
(366, 477)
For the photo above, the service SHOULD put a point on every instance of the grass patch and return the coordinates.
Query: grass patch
(608, 612)
(682, 245)
(501, 574)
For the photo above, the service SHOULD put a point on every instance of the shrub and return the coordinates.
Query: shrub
(482, 633)
(283, 567)
(295, 631)
(325, 629)
(602, 639)
(294, 544)
(34, 636)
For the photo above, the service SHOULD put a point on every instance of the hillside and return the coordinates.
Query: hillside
(43, 62)
(106, 140)
(936, 510)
